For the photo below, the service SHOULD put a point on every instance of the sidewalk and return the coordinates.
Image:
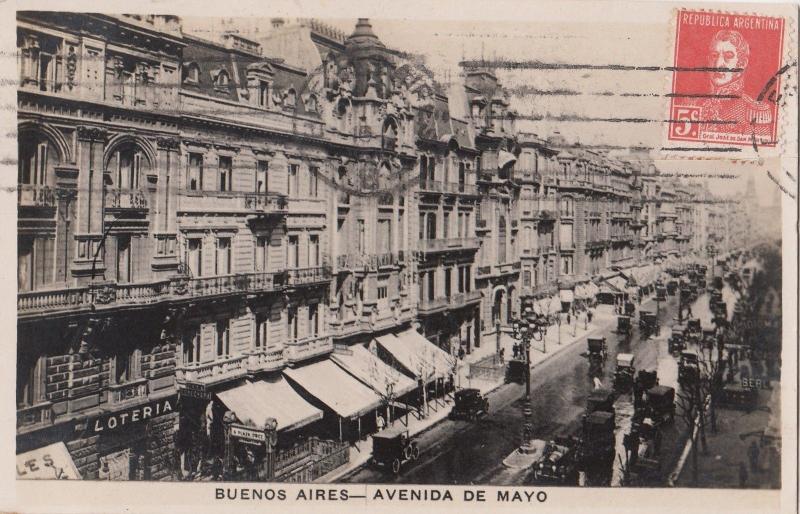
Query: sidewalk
(728, 450)
(360, 453)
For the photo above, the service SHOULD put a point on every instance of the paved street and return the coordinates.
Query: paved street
(460, 452)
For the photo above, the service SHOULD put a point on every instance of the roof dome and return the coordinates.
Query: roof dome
(363, 35)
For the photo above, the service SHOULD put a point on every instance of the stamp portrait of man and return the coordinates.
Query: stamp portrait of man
(729, 55)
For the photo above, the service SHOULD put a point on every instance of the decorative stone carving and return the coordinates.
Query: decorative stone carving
(168, 143)
(88, 133)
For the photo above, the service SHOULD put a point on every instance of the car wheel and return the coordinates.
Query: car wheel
(415, 452)
(396, 466)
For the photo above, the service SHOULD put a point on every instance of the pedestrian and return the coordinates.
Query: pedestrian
(569, 319)
(589, 315)
(381, 423)
(502, 355)
(515, 350)
(752, 453)
(461, 353)
(742, 474)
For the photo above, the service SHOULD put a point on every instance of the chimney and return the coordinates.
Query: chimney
(277, 23)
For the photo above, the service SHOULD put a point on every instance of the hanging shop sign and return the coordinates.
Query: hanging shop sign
(247, 434)
(125, 417)
(195, 390)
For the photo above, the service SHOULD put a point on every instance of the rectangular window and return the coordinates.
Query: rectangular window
(468, 279)
(195, 172)
(261, 253)
(526, 278)
(447, 277)
(313, 251)
(291, 323)
(127, 366)
(292, 184)
(461, 277)
(223, 338)
(30, 381)
(223, 262)
(123, 267)
(383, 290)
(422, 284)
(262, 176)
(225, 173)
(262, 331)
(292, 253)
(25, 263)
(313, 319)
(446, 225)
(190, 346)
(313, 181)
(384, 236)
(194, 259)
(421, 226)
(431, 285)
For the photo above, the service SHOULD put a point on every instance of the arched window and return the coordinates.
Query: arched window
(291, 98)
(567, 206)
(311, 104)
(389, 134)
(37, 157)
(126, 167)
(222, 80)
(191, 73)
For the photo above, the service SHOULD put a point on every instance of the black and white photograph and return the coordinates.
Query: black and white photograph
(535, 255)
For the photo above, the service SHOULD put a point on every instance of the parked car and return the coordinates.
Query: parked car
(648, 322)
(672, 287)
(469, 404)
(392, 448)
(515, 371)
(661, 294)
(625, 372)
(558, 463)
(624, 325)
(646, 379)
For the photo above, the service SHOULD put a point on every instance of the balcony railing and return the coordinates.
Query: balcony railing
(261, 360)
(29, 195)
(110, 294)
(133, 199)
(481, 225)
(307, 276)
(231, 201)
(121, 393)
(428, 306)
(208, 373)
(36, 415)
(483, 271)
(460, 299)
(308, 348)
(446, 244)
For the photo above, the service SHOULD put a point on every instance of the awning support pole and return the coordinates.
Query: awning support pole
(340, 429)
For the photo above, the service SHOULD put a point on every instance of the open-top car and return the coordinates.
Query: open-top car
(625, 372)
(392, 448)
(469, 404)
(558, 463)
(598, 350)
(672, 287)
(624, 325)
(648, 322)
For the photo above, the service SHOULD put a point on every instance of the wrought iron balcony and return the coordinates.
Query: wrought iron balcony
(126, 199)
(231, 201)
(308, 276)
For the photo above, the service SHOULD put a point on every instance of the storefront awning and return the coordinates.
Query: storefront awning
(334, 387)
(618, 283)
(254, 402)
(373, 372)
(566, 295)
(418, 355)
(554, 304)
(47, 463)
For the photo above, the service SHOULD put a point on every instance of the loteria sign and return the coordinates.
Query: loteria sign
(132, 415)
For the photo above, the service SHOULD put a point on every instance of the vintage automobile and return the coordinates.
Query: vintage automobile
(469, 404)
(600, 400)
(660, 404)
(625, 372)
(709, 337)
(717, 283)
(598, 350)
(515, 371)
(392, 448)
(677, 341)
(598, 442)
(648, 322)
(624, 325)
(646, 379)
(701, 283)
(694, 325)
(630, 308)
(734, 396)
(661, 294)
(672, 287)
(688, 367)
(558, 463)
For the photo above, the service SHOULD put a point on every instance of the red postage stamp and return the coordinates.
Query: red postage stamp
(727, 70)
